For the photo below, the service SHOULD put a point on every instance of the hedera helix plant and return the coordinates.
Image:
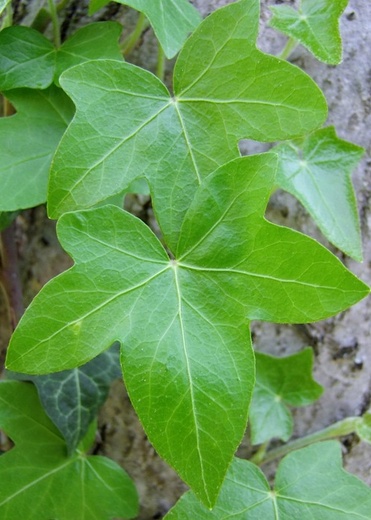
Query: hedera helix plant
(91, 126)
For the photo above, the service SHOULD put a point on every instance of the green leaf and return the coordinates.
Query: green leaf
(310, 484)
(172, 20)
(315, 25)
(363, 427)
(27, 59)
(72, 398)
(280, 382)
(28, 141)
(39, 481)
(94, 41)
(317, 171)
(187, 359)
(127, 125)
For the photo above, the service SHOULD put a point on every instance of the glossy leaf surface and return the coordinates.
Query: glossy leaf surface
(187, 359)
(127, 125)
(315, 25)
(317, 171)
(172, 20)
(280, 382)
(28, 141)
(39, 481)
(310, 483)
(72, 398)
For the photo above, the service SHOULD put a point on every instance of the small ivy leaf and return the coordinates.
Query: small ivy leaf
(72, 398)
(172, 20)
(27, 59)
(280, 382)
(190, 374)
(310, 483)
(225, 90)
(39, 481)
(28, 141)
(94, 41)
(363, 427)
(317, 171)
(315, 25)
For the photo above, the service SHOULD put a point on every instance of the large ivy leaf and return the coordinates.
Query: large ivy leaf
(72, 398)
(315, 25)
(29, 60)
(172, 20)
(310, 484)
(39, 481)
(127, 125)
(28, 141)
(187, 359)
(317, 171)
(280, 382)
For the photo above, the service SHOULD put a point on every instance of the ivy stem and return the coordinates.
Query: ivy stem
(161, 61)
(338, 429)
(8, 18)
(130, 41)
(55, 22)
(9, 276)
(288, 48)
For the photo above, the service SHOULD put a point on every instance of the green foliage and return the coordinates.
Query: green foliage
(28, 59)
(310, 483)
(179, 303)
(172, 20)
(72, 398)
(174, 377)
(315, 25)
(127, 125)
(317, 171)
(28, 141)
(39, 481)
(280, 382)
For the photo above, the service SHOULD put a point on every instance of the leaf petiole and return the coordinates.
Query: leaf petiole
(288, 49)
(131, 40)
(338, 429)
(55, 22)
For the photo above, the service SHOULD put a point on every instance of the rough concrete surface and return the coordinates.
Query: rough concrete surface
(342, 345)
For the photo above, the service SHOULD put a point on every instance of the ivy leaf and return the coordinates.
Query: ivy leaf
(310, 483)
(317, 171)
(172, 20)
(94, 41)
(280, 382)
(28, 141)
(27, 59)
(315, 25)
(127, 125)
(187, 360)
(39, 481)
(72, 398)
